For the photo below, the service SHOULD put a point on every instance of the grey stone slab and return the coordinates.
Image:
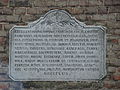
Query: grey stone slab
(57, 47)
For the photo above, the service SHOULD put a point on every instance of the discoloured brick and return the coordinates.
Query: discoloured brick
(118, 16)
(42, 10)
(2, 18)
(84, 3)
(2, 40)
(113, 24)
(4, 86)
(116, 76)
(111, 69)
(116, 2)
(102, 9)
(20, 3)
(43, 3)
(14, 18)
(100, 17)
(118, 69)
(117, 84)
(114, 62)
(1, 49)
(28, 18)
(32, 10)
(8, 26)
(96, 2)
(3, 70)
(4, 2)
(61, 3)
(1, 26)
(20, 11)
(91, 10)
(114, 9)
(109, 84)
(108, 2)
(73, 3)
(6, 11)
(76, 10)
(3, 33)
(80, 17)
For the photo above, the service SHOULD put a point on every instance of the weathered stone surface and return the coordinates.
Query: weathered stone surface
(58, 22)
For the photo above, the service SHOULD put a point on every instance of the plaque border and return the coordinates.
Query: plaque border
(83, 25)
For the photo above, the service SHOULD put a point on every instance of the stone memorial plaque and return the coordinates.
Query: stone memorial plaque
(57, 47)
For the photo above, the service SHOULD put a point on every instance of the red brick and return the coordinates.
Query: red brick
(118, 69)
(3, 86)
(2, 40)
(113, 40)
(116, 76)
(109, 84)
(118, 16)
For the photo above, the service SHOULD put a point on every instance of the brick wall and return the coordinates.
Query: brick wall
(92, 12)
